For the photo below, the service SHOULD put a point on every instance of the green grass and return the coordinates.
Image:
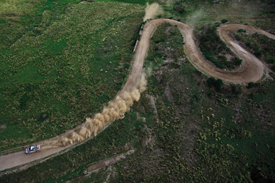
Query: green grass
(70, 70)
(141, 2)
(19, 17)
(202, 135)
(199, 136)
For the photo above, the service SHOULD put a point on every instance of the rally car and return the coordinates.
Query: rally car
(32, 148)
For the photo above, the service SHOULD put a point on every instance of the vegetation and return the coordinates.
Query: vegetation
(141, 2)
(19, 17)
(216, 83)
(214, 49)
(260, 45)
(193, 136)
(64, 70)
(185, 128)
(224, 21)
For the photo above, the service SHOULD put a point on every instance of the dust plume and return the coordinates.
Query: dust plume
(92, 126)
(195, 17)
(152, 11)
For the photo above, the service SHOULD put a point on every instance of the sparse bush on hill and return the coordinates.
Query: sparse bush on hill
(182, 130)
(214, 49)
(260, 45)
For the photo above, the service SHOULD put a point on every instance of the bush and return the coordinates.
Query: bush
(217, 24)
(211, 58)
(251, 85)
(241, 30)
(237, 61)
(236, 89)
(211, 81)
(271, 61)
(179, 9)
(224, 21)
(160, 40)
(258, 53)
(218, 84)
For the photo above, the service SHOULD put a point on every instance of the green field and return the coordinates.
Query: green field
(67, 70)
(198, 128)
(71, 59)
(141, 2)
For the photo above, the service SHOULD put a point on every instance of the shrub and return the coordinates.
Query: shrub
(217, 24)
(237, 61)
(236, 89)
(179, 9)
(241, 30)
(272, 61)
(218, 84)
(224, 21)
(160, 40)
(258, 53)
(211, 81)
(251, 85)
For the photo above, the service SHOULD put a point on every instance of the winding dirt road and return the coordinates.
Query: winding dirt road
(251, 70)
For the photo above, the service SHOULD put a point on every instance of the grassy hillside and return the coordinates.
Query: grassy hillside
(186, 127)
(141, 2)
(54, 77)
(190, 133)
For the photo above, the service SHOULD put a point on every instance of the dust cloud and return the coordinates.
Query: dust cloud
(195, 17)
(152, 11)
(115, 109)
(92, 126)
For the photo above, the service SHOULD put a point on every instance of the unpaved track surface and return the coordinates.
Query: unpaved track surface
(251, 70)
(20, 158)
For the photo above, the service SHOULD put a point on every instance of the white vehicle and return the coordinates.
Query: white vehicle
(32, 148)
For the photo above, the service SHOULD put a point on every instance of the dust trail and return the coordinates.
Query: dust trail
(195, 17)
(152, 11)
(113, 111)
(92, 126)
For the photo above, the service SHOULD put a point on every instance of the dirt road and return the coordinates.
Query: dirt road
(20, 158)
(251, 69)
